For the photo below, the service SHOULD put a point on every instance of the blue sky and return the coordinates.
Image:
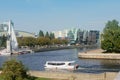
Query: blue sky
(52, 15)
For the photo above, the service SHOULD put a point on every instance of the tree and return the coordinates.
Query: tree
(56, 41)
(43, 41)
(14, 70)
(26, 41)
(52, 36)
(41, 34)
(64, 41)
(111, 37)
(47, 35)
(3, 41)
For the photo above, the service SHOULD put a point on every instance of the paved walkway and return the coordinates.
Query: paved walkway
(117, 77)
(74, 76)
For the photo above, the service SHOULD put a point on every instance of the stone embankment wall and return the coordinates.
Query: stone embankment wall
(99, 56)
(74, 76)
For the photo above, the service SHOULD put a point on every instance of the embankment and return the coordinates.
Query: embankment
(74, 76)
(61, 48)
(98, 54)
(52, 48)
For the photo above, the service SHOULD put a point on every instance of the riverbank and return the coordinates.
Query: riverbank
(98, 54)
(61, 48)
(74, 76)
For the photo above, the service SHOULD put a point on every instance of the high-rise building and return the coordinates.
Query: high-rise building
(78, 36)
(93, 36)
(70, 34)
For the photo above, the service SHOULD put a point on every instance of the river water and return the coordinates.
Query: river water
(37, 60)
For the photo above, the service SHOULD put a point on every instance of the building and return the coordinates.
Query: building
(24, 34)
(4, 28)
(61, 34)
(70, 34)
(77, 36)
(93, 37)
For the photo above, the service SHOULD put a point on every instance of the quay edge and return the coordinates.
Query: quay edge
(99, 56)
(74, 76)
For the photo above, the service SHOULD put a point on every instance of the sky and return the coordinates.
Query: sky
(54, 15)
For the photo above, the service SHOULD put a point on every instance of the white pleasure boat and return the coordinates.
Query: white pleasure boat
(64, 65)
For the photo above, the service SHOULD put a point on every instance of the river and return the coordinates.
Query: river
(37, 60)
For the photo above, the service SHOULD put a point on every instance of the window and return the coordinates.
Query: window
(60, 63)
(56, 63)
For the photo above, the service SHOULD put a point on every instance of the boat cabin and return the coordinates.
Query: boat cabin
(61, 65)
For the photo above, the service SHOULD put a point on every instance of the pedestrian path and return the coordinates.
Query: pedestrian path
(118, 76)
(74, 76)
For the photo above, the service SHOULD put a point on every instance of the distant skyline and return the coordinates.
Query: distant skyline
(53, 15)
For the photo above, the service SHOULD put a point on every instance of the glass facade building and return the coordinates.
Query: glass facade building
(78, 36)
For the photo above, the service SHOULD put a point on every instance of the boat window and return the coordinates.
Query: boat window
(69, 64)
(60, 63)
(56, 63)
(52, 64)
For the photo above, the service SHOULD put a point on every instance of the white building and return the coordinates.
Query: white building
(67, 33)
(61, 34)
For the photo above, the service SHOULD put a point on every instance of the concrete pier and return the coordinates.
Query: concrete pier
(97, 54)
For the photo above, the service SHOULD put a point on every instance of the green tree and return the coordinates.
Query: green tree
(47, 35)
(111, 37)
(30, 41)
(3, 41)
(14, 70)
(56, 41)
(64, 41)
(41, 34)
(26, 41)
(52, 36)
(43, 41)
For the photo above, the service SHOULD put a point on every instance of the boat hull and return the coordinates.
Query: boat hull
(5, 53)
(60, 65)
(60, 68)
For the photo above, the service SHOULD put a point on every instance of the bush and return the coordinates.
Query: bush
(14, 70)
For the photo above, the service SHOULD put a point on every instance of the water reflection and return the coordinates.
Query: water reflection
(110, 64)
